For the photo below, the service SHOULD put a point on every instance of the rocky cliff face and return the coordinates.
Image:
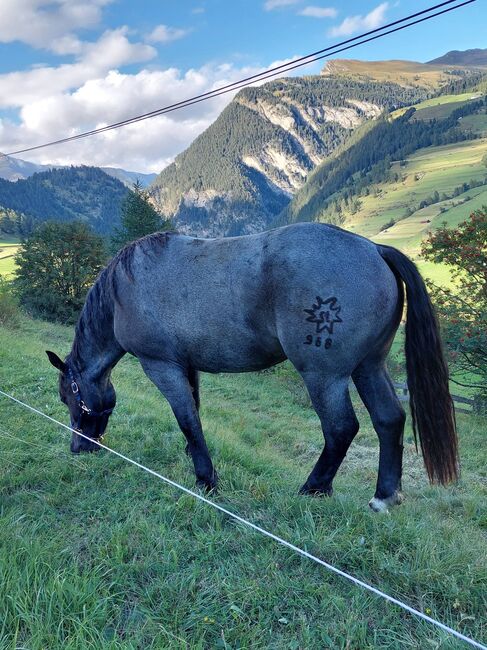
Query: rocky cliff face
(238, 175)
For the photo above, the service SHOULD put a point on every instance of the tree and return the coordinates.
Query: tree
(462, 310)
(138, 218)
(57, 265)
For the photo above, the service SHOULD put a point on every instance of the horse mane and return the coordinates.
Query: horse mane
(97, 313)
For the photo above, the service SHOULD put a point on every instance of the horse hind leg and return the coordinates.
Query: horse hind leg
(388, 417)
(331, 401)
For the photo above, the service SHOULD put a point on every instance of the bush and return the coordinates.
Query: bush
(463, 309)
(9, 305)
(387, 225)
(57, 264)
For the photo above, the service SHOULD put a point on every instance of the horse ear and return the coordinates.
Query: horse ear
(56, 361)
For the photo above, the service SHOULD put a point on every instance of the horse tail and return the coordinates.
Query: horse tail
(432, 411)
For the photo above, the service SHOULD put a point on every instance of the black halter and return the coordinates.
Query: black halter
(84, 410)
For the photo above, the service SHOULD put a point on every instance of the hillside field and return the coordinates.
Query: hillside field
(96, 554)
(406, 73)
(8, 248)
(431, 169)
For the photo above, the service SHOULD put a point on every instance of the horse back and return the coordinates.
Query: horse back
(245, 303)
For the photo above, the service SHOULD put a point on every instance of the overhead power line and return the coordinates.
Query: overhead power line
(350, 43)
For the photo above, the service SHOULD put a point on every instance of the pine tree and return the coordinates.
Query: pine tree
(138, 218)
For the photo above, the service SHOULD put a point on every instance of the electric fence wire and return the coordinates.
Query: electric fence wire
(263, 531)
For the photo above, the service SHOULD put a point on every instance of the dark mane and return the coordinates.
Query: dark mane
(96, 317)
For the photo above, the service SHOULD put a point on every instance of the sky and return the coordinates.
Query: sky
(73, 65)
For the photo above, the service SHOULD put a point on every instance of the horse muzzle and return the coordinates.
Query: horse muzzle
(80, 444)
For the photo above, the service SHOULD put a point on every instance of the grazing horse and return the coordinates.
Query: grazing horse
(328, 300)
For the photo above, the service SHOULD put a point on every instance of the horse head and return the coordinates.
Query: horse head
(90, 403)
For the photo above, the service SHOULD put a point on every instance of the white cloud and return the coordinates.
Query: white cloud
(269, 5)
(111, 50)
(146, 146)
(318, 12)
(165, 34)
(41, 23)
(353, 24)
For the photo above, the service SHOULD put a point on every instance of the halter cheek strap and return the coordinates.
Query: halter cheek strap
(84, 410)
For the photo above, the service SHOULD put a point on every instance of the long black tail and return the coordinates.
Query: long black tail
(431, 404)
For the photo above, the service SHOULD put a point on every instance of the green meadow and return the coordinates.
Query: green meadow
(440, 169)
(96, 554)
(8, 248)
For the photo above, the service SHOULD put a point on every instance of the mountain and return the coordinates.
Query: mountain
(14, 169)
(67, 193)
(244, 169)
(402, 174)
(470, 58)
(430, 76)
(129, 178)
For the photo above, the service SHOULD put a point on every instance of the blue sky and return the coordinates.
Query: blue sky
(70, 64)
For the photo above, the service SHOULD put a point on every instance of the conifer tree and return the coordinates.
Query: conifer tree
(138, 218)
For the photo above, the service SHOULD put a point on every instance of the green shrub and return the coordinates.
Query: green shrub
(387, 225)
(57, 265)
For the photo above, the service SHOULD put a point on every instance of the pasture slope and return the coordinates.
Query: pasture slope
(8, 248)
(95, 554)
(440, 169)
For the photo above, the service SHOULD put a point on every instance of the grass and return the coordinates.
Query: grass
(96, 554)
(476, 123)
(431, 169)
(438, 107)
(8, 248)
(406, 73)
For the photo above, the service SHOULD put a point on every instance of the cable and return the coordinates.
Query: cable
(263, 531)
(266, 74)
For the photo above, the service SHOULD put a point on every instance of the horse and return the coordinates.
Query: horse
(328, 300)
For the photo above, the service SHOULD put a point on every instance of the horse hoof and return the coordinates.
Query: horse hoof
(208, 485)
(382, 505)
(316, 491)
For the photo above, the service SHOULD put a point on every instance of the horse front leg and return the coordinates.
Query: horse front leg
(174, 384)
(194, 382)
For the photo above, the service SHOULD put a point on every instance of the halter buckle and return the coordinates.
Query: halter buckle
(74, 387)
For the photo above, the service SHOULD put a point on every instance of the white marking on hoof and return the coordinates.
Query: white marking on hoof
(378, 505)
(382, 505)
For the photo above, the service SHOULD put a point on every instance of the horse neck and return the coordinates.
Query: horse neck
(95, 350)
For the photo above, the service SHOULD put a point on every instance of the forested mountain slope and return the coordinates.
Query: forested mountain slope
(14, 169)
(244, 169)
(403, 174)
(64, 194)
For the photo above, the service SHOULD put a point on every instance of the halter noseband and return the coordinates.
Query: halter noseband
(83, 408)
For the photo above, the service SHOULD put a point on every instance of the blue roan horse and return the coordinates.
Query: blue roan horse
(327, 300)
